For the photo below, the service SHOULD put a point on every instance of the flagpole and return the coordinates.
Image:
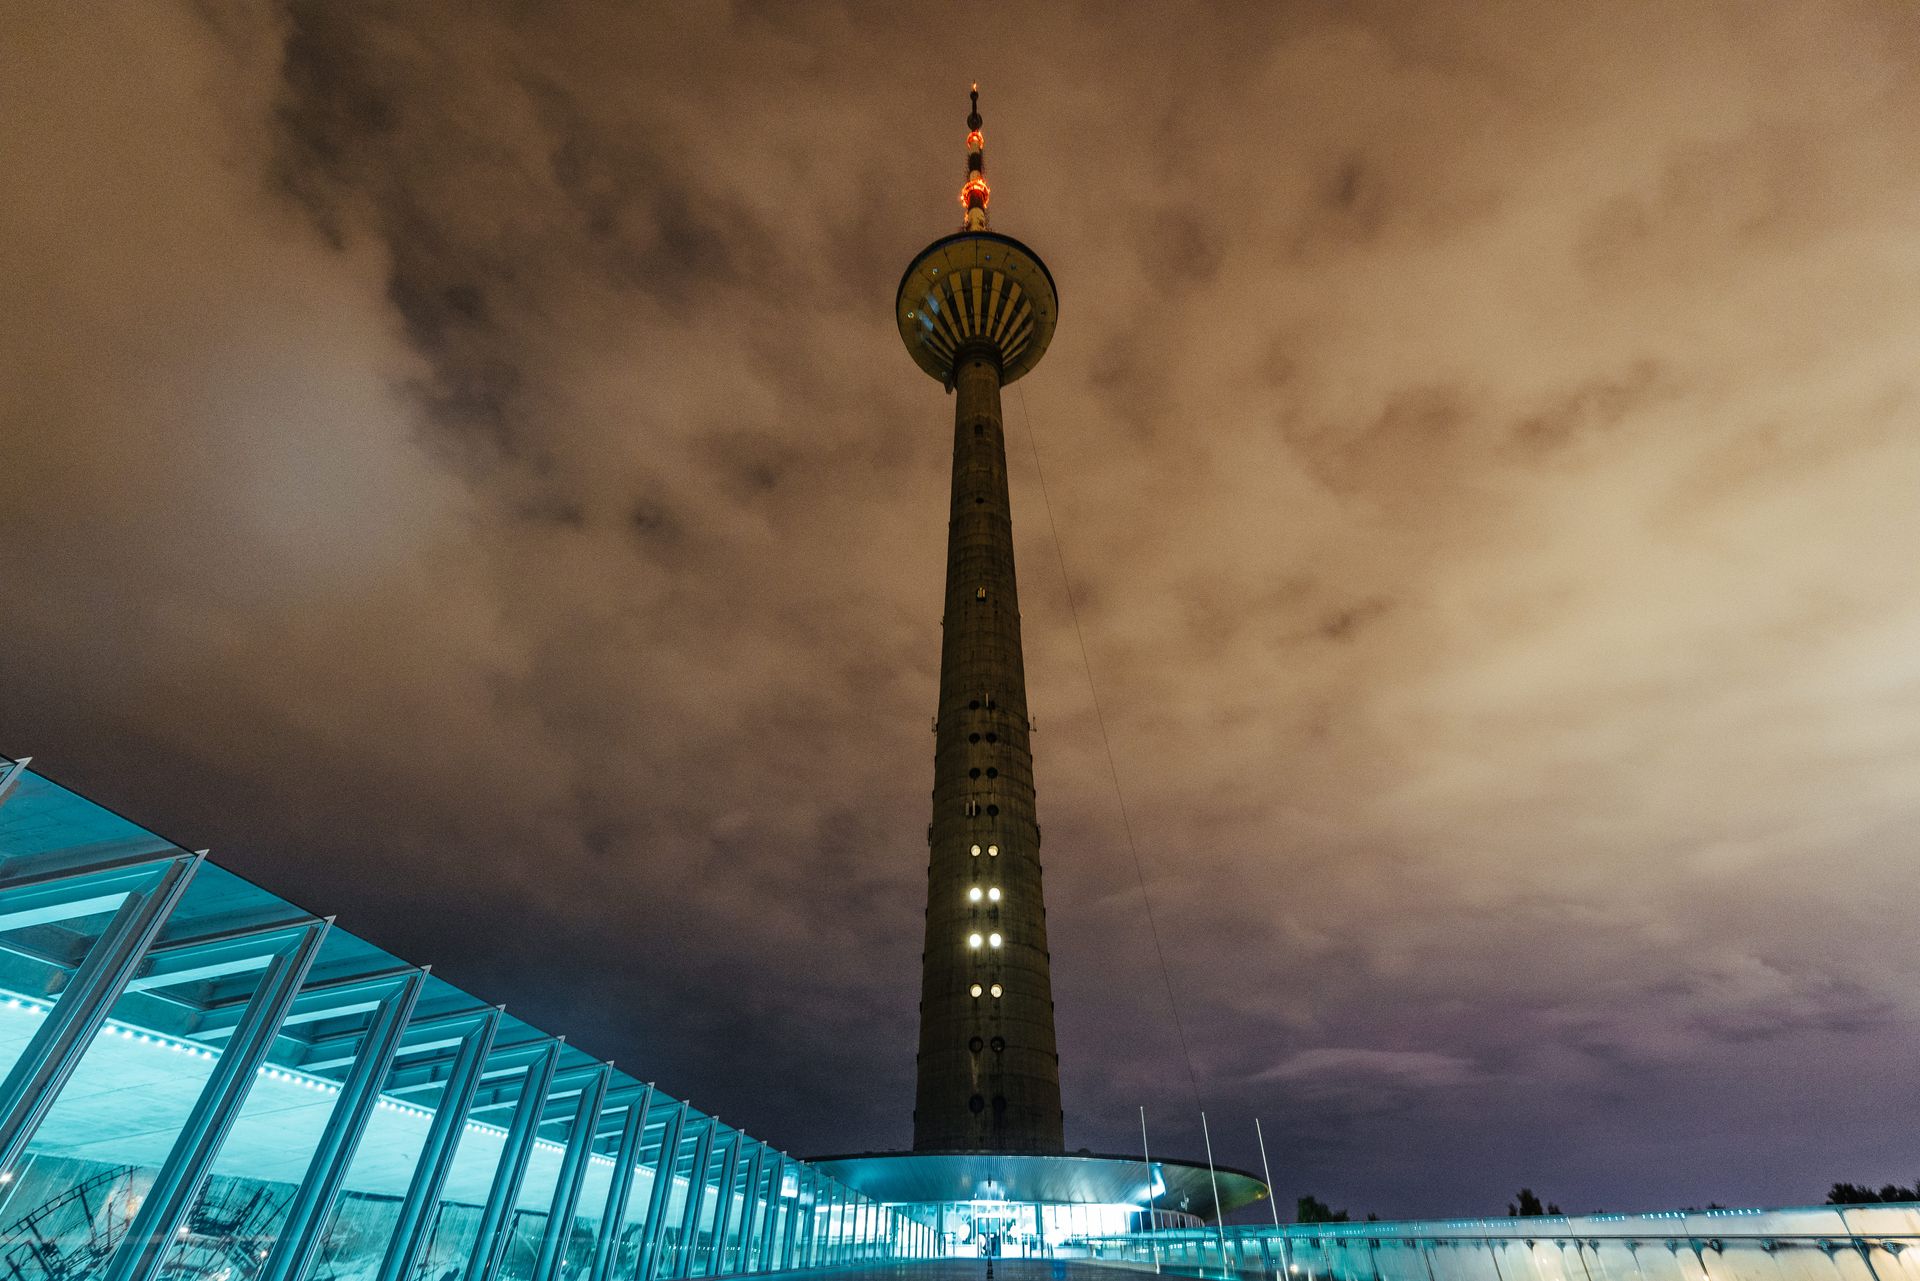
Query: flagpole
(1146, 1154)
(1267, 1170)
(1219, 1229)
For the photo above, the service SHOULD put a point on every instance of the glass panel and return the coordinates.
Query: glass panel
(97, 1152)
(361, 1228)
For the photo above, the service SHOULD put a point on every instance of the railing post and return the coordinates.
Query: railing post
(696, 1199)
(573, 1173)
(490, 1241)
(606, 1245)
(299, 1240)
(657, 1198)
(68, 1029)
(152, 1233)
(436, 1155)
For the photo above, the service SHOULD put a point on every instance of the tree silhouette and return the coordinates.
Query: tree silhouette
(1311, 1209)
(1860, 1194)
(1528, 1206)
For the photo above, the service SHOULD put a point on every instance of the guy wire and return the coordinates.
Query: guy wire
(1113, 768)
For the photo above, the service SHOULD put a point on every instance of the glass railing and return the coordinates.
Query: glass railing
(1813, 1243)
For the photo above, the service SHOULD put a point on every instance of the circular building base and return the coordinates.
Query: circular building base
(1022, 1203)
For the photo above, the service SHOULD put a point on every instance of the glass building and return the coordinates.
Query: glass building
(203, 1080)
(1043, 1205)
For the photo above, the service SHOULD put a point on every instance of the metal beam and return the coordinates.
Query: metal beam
(439, 1031)
(696, 1197)
(790, 1230)
(490, 1241)
(298, 1244)
(774, 1182)
(606, 1243)
(749, 1201)
(53, 908)
(573, 1173)
(69, 1028)
(337, 997)
(436, 1156)
(815, 1226)
(670, 1139)
(234, 950)
(49, 867)
(723, 1212)
(507, 1061)
(13, 777)
(164, 1210)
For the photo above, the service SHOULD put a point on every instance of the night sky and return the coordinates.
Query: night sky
(457, 462)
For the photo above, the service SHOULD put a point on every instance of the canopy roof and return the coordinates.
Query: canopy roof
(905, 1178)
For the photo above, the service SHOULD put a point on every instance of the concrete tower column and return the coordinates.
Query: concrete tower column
(977, 310)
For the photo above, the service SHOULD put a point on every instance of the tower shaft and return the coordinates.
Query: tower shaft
(989, 1076)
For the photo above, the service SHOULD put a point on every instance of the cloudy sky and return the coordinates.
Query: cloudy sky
(456, 461)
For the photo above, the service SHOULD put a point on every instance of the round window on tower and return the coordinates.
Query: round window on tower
(993, 851)
(973, 940)
(976, 851)
(999, 1044)
(993, 811)
(993, 895)
(996, 989)
(976, 1043)
(973, 895)
(976, 1105)
(974, 990)
(993, 940)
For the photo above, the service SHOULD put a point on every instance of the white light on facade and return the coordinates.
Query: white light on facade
(974, 990)
(973, 895)
(973, 940)
(993, 940)
(996, 990)
(994, 894)
(993, 851)
(976, 851)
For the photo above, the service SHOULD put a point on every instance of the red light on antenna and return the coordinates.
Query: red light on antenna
(975, 142)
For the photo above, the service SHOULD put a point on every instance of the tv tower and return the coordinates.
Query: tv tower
(976, 310)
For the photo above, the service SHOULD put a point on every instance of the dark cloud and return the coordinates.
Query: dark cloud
(458, 465)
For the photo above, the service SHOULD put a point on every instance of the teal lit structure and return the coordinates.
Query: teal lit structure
(204, 1081)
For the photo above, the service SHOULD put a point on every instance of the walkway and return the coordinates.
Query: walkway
(972, 1270)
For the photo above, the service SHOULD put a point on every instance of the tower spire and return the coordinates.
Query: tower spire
(975, 194)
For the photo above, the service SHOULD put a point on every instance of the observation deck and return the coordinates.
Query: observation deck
(977, 288)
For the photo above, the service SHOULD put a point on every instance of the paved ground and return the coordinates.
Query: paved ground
(976, 1270)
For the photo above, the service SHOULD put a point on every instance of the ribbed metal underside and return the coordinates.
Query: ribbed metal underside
(976, 289)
